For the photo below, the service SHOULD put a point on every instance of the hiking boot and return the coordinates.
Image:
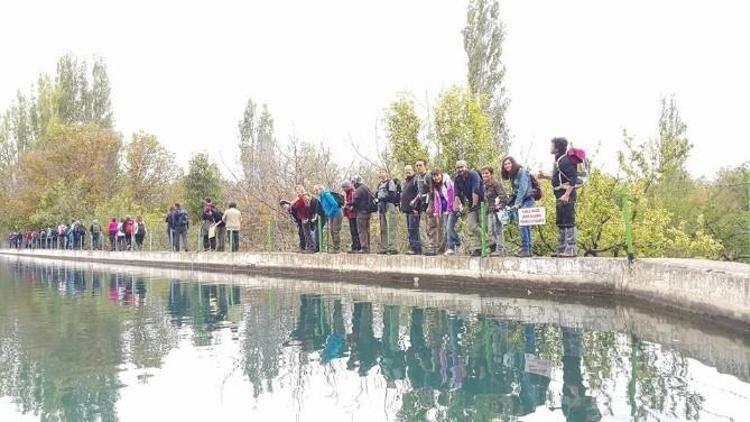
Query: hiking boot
(429, 253)
(499, 252)
(476, 252)
(524, 253)
(382, 252)
(449, 252)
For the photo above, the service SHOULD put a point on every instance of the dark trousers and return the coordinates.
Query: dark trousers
(354, 233)
(363, 229)
(412, 227)
(180, 233)
(302, 237)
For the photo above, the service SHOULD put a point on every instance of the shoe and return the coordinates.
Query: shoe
(476, 252)
(430, 254)
(392, 252)
(410, 252)
(499, 252)
(353, 251)
(449, 252)
(524, 253)
(382, 252)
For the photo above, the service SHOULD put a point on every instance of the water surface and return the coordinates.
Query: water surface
(83, 342)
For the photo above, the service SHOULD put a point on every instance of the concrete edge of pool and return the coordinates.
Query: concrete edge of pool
(718, 290)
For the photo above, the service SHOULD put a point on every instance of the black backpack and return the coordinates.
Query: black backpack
(397, 199)
(339, 198)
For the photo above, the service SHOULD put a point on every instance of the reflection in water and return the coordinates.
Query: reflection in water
(67, 336)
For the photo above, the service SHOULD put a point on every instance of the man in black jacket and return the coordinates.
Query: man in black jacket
(409, 194)
(362, 199)
(564, 179)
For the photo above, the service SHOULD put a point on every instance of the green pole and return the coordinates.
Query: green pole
(483, 222)
(320, 235)
(269, 237)
(627, 217)
(747, 174)
(388, 229)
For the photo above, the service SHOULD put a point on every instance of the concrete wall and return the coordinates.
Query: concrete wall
(716, 290)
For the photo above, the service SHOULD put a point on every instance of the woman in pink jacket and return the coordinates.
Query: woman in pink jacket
(112, 229)
(441, 206)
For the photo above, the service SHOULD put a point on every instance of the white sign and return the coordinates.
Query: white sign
(536, 216)
(538, 366)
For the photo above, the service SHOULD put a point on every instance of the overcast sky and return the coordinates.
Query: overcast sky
(327, 69)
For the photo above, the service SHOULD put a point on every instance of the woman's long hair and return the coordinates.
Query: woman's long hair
(437, 172)
(514, 167)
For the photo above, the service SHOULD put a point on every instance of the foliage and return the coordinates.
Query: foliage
(402, 128)
(463, 130)
(150, 170)
(483, 38)
(202, 181)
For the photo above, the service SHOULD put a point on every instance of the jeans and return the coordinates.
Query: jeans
(454, 241)
(307, 231)
(234, 240)
(354, 233)
(96, 241)
(412, 227)
(180, 234)
(496, 232)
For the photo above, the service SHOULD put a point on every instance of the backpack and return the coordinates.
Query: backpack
(536, 189)
(372, 206)
(397, 199)
(181, 220)
(96, 228)
(339, 198)
(577, 156)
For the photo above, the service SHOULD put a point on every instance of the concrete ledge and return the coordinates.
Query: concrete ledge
(717, 290)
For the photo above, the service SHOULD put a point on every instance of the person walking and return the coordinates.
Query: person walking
(468, 200)
(364, 205)
(409, 207)
(112, 231)
(496, 200)
(351, 215)
(232, 219)
(521, 197)
(333, 215)
(170, 228)
(388, 201)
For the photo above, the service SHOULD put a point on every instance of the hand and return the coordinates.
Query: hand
(564, 199)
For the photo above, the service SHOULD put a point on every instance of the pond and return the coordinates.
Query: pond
(82, 342)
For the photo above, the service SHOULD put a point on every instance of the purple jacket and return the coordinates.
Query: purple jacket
(447, 192)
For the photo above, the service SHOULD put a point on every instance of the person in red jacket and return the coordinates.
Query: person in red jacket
(351, 215)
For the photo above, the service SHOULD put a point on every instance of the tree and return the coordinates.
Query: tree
(463, 130)
(150, 169)
(101, 105)
(402, 128)
(202, 181)
(257, 144)
(483, 39)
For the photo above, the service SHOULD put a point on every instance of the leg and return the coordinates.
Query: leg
(363, 229)
(382, 216)
(302, 237)
(354, 234)
(392, 216)
(453, 240)
(335, 227)
(434, 233)
(475, 232)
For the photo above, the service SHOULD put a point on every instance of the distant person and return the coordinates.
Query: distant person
(423, 180)
(333, 215)
(410, 208)
(181, 224)
(139, 231)
(232, 219)
(207, 220)
(364, 205)
(112, 230)
(170, 228)
(439, 210)
(96, 234)
(469, 196)
(351, 215)
(521, 197)
(388, 201)
(496, 200)
(564, 179)
(301, 210)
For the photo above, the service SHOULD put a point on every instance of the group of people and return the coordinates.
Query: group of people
(216, 229)
(432, 202)
(124, 234)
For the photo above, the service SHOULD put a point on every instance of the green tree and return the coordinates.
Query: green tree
(402, 128)
(101, 104)
(483, 39)
(463, 130)
(149, 170)
(202, 181)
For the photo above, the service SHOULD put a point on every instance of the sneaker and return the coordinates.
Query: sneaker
(410, 252)
(449, 252)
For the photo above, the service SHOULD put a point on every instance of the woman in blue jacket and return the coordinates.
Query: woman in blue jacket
(520, 198)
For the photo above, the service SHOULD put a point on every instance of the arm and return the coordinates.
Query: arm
(524, 184)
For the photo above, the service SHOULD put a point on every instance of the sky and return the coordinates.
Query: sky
(327, 70)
